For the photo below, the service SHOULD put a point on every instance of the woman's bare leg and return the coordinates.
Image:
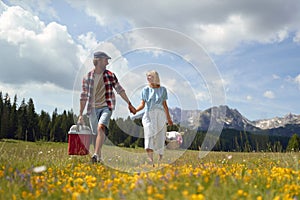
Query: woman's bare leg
(150, 156)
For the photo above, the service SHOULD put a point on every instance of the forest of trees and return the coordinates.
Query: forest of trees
(21, 122)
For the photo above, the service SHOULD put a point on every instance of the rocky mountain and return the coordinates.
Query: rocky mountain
(187, 118)
(230, 118)
(277, 122)
(233, 119)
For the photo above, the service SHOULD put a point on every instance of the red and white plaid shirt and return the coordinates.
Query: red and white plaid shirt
(110, 82)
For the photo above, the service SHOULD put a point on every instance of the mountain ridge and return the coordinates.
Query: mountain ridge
(233, 119)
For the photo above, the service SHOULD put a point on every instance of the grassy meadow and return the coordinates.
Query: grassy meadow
(44, 170)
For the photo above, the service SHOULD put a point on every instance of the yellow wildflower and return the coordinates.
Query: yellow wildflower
(150, 190)
(240, 192)
(259, 198)
(185, 193)
(197, 197)
(75, 196)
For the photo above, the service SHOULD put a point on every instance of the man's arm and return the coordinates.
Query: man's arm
(83, 100)
(82, 106)
(126, 99)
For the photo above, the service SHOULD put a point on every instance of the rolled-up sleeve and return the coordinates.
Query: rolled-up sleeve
(117, 85)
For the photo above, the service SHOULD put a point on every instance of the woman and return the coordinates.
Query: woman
(157, 113)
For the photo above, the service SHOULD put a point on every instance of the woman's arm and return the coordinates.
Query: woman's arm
(167, 113)
(141, 106)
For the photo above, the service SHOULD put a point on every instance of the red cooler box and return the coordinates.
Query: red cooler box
(79, 140)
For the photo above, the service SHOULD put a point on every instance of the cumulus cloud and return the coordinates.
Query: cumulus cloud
(34, 51)
(297, 37)
(269, 94)
(293, 80)
(37, 7)
(45, 95)
(219, 25)
(88, 40)
(90, 44)
(297, 80)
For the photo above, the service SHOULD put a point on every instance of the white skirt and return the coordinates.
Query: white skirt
(154, 123)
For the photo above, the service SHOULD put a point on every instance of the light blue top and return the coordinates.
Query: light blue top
(154, 97)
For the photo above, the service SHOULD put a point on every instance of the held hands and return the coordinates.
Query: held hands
(131, 109)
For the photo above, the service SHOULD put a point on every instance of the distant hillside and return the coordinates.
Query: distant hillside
(233, 119)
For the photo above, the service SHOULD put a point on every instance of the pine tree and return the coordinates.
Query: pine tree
(44, 126)
(22, 121)
(66, 123)
(57, 129)
(294, 143)
(52, 129)
(32, 128)
(1, 111)
(5, 118)
(13, 119)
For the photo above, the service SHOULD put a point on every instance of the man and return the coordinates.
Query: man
(97, 91)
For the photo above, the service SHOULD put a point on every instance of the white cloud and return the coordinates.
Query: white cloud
(37, 7)
(269, 94)
(37, 54)
(249, 97)
(297, 37)
(221, 37)
(293, 80)
(219, 25)
(88, 40)
(297, 80)
(33, 51)
(44, 95)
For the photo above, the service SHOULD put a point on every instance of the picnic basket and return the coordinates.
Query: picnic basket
(174, 138)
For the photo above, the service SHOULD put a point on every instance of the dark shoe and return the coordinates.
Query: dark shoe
(94, 159)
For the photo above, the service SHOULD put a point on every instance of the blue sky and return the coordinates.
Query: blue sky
(245, 54)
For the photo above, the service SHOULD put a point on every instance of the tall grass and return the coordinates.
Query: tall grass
(125, 175)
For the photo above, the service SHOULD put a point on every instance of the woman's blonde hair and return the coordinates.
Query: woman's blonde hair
(155, 76)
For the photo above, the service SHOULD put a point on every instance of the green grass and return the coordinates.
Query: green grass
(125, 175)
